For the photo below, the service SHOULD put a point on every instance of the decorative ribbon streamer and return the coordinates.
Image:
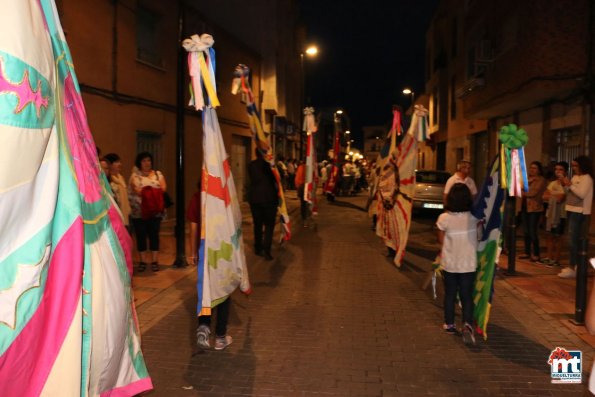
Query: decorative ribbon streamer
(201, 66)
(241, 82)
(512, 158)
(419, 123)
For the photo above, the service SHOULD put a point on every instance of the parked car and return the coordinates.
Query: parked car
(429, 189)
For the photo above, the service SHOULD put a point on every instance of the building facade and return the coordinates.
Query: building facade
(506, 61)
(455, 135)
(126, 57)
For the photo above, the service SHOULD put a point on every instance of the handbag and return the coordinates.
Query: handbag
(152, 203)
(167, 201)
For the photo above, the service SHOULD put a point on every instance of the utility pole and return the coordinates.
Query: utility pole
(180, 230)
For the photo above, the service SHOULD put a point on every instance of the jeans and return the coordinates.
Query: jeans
(576, 233)
(222, 310)
(530, 226)
(263, 215)
(463, 284)
(144, 228)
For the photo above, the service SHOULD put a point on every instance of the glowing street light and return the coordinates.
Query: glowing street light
(312, 50)
(348, 132)
(409, 91)
(339, 111)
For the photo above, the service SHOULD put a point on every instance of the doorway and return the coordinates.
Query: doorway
(240, 156)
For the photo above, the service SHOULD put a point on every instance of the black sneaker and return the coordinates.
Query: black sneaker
(449, 329)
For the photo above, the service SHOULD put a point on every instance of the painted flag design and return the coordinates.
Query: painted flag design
(67, 320)
(487, 208)
(241, 81)
(222, 261)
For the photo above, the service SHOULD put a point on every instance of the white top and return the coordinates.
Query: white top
(457, 179)
(459, 248)
(582, 187)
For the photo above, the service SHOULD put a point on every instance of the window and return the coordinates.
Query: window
(454, 38)
(150, 142)
(568, 143)
(453, 98)
(147, 37)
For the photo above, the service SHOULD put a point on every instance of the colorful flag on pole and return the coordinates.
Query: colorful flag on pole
(332, 179)
(67, 320)
(241, 81)
(311, 164)
(222, 262)
(395, 183)
(488, 209)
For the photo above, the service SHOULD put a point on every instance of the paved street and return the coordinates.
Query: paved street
(331, 316)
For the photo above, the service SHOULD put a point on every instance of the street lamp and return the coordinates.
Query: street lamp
(348, 132)
(409, 91)
(311, 51)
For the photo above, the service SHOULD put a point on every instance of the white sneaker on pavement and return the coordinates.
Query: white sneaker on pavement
(567, 272)
(221, 342)
(202, 337)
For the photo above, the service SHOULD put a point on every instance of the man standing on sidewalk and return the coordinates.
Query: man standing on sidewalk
(264, 200)
(461, 176)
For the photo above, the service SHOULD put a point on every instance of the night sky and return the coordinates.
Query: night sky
(368, 52)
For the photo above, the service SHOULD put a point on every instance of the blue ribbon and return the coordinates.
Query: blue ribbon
(523, 168)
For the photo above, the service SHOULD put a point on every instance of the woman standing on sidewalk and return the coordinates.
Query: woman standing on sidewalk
(555, 216)
(146, 188)
(458, 235)
(532, 210)
(579, 199)
(119, 186)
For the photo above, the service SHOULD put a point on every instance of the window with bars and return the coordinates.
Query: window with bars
(147, 141)
(568, 143)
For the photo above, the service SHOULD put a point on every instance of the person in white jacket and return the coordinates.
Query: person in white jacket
(579, 200)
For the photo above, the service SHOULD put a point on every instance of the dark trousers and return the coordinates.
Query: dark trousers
(530, 229)
(304, 205)
(263, 215)
(463, 284)
(144, 228)
(222, 312)
(577, 231)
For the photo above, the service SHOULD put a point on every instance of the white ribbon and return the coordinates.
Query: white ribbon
(419, 118)
(198, 43)
(309, 122)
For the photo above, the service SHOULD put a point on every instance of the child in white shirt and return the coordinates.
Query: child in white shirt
(458, 235)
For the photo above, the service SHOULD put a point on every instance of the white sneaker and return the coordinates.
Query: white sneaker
(221, 342)
(567, 272)
(202, 337)
(468, 334)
